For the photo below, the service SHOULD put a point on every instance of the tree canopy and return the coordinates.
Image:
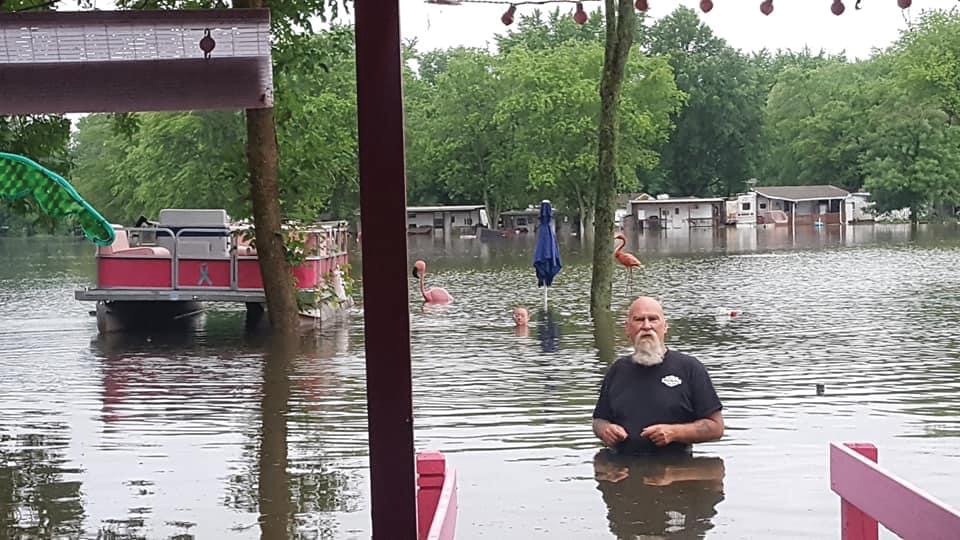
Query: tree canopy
(510, 127)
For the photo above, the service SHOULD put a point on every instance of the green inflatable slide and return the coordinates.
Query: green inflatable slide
(22, 177)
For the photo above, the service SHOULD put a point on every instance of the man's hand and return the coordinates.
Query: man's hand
(660, 434)
(608, 432)
(702, 430)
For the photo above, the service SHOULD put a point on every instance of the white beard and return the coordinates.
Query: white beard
(648, 352)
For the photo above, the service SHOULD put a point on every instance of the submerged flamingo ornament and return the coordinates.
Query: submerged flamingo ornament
(435, 295)
(626, 259)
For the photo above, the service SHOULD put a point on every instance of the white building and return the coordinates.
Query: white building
(859, 208)
(677, 213)
(446, 220)
(792, 205)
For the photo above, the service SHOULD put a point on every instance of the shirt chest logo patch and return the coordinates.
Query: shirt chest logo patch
(671, 381)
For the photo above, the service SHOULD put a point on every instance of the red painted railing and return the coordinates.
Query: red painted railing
(436, 497)
(869, 494)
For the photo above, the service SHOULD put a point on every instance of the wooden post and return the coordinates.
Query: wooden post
(383, 215)
(854, 524)
(430, 473)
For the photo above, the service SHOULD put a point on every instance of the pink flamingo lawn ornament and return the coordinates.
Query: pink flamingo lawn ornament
(435, 295)
(626, 259)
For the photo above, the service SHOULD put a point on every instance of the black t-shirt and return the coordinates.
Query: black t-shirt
(675, 391)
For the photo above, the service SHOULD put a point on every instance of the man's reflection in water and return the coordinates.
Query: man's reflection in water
(659, 497)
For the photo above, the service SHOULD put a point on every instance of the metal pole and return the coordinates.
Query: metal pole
(386, 312)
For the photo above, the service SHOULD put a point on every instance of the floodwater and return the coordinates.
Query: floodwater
(216, 433)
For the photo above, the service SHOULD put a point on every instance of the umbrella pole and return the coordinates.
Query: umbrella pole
(545, 289)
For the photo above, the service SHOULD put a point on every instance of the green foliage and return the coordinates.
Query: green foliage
(196, 159)
(815, 125)
(173, 160)
(316, 125)
(457, 150)
(888, 125)
(535, 33)
(718, 129)
(928, 60)
(513, 128)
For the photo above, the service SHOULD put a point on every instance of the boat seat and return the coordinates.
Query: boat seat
(121, 248)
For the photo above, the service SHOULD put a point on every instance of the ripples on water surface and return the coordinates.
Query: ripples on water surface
(214, 434)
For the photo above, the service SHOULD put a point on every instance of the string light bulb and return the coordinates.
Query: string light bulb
(904, 4)
(580, 16)
(766, 7)
(706, 5)
(641, 5)
(507, 17)
(837, 7)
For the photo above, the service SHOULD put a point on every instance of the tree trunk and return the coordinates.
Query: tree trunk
(588, 221)
(262, 163)
(621, 21)
(262, 167)
(493, 211)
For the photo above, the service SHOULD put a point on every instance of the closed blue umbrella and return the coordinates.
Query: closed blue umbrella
(546, 256)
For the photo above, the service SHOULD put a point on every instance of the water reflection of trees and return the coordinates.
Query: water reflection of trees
(659, 497)
(35, 499)
(291, 491)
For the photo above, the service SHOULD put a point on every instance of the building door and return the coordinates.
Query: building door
(677, 218)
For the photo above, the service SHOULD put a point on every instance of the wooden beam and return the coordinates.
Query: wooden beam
(124, 61)
(383, 215)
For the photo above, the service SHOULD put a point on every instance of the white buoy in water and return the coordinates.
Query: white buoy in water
(726, 312)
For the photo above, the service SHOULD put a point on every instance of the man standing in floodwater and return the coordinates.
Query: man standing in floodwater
(656, 400)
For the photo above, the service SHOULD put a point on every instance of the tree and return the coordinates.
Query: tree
(912, 141)
(928, 60)
(815, 126)
(621, 22)
(911, 157)
(459, 150)
(718, 129)
(317, 124)
(288, 17)
(552, 110)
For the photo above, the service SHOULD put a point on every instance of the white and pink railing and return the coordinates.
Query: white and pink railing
(870, 495)
(436, 497)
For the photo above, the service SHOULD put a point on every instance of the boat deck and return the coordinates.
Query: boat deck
(171, 295)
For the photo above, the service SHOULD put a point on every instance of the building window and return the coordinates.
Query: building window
(763, 206)
(468, 221)
(745, 207)
(676, 211)
(453, 218)
(521, 221)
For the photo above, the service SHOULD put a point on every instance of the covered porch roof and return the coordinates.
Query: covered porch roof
(802, 193)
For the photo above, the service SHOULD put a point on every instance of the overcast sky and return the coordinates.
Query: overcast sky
(792, 25)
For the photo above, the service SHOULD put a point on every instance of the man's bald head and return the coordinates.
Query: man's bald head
(645, 304)
(645, 316)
